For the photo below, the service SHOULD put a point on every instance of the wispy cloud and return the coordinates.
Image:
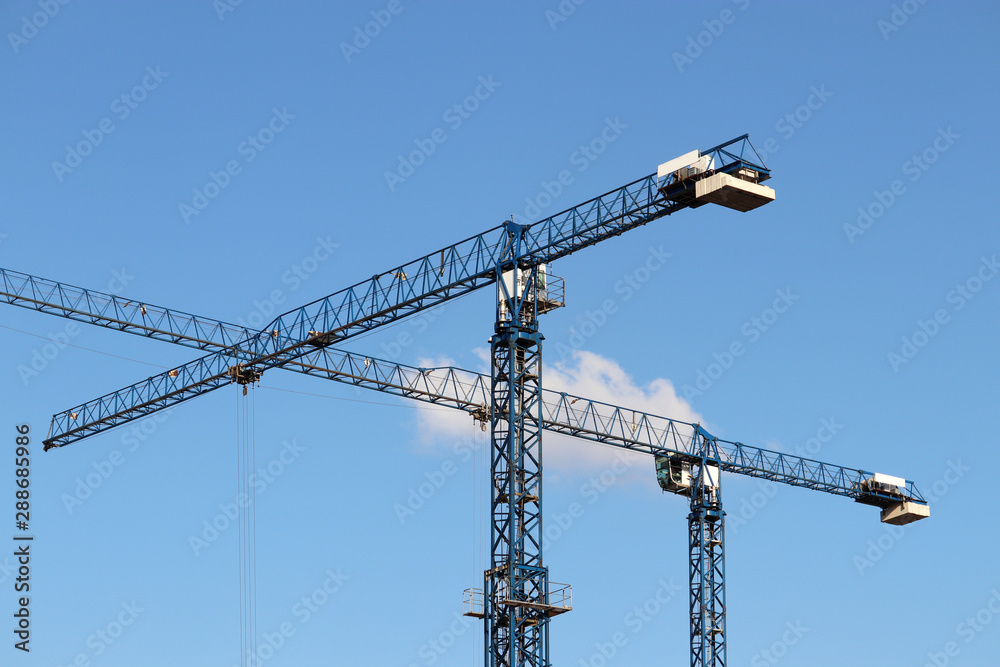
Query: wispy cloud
(583, 374)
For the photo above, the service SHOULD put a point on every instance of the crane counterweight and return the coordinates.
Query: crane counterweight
(904, 512)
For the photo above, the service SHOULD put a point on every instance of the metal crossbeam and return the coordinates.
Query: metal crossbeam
(114, 312)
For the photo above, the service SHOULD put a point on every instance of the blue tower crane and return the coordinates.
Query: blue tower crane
(725, 175)
(518, 606)
(518, 599)
(679, 448)
(677, 444)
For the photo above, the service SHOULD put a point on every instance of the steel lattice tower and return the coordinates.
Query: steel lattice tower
(706, 545)
(516, 583)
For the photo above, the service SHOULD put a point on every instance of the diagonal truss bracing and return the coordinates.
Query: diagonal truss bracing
(447, 386)
(409, 288)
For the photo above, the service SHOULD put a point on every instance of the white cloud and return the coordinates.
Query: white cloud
(440, 429)
(587, 375)
(592, 376)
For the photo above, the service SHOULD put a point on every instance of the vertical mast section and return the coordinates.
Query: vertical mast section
(517, 635)
(697, 474)
(706, 543)
(517, 599)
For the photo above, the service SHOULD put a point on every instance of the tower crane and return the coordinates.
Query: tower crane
(676, 445)
(518, 599)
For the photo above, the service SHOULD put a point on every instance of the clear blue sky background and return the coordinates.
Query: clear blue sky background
(857, 593)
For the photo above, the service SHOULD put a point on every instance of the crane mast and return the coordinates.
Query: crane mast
(517, 634)
(516, 587)
(707, 567)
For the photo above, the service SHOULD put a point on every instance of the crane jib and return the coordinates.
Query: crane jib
(389, 296)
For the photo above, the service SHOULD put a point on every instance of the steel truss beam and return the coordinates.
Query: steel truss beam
(447, 386)
(423, 283)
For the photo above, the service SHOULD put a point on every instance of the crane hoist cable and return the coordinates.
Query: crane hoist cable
(246, 454)
(239, 518)
(479, 510)
(253, 426)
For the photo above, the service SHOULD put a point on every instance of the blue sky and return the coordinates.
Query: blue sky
(240, 163)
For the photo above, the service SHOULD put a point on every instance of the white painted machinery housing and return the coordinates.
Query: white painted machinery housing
(905, 512)
(732, 192)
